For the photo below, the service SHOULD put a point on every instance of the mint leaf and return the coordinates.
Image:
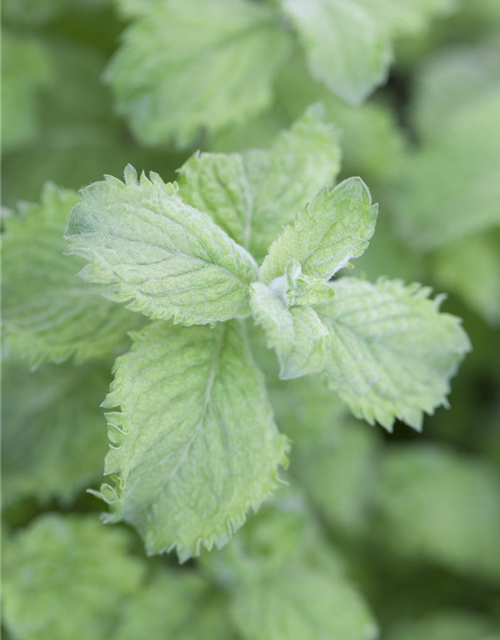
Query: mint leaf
(48, 313)
(433, 211)
(25, 70)
(345, 48)
(423, 494)
(333, 228)
(478, 284)
(459, 625)
(301, 604)
(67, 577)
(166, 259)
(194, 445)
(229, 52)
(392, 353)
(297, 334)
(175, 604)
(49, 418)
(254, 194)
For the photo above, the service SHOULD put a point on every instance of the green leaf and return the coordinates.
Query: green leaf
(166, 259)
(450, 187)
(470, 267)
(333, 228)
(459, 625)
(25, 70)
(392, 352)
(177, 605)
(51, 417)
(344, 45)
(194, 445)
(253, 195)
(185, 66)
(67, 577)
(297, 334)
(301, 603)
(436, 505)
(48, 312)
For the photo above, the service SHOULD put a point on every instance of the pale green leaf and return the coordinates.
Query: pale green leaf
(447, 625)
(53, 430)
(49, 313)
(392, 352)
(253, 195)
(195, 445)
(177, 605)
(436, 505)
(345, 47)
(470, 267)
(333, 228)
(297, 334)
(186, 66)
(67, 577)
(450, 187)
(25, 70)
(407, 17)
(166, 259)
(301, 603)
(337, 470)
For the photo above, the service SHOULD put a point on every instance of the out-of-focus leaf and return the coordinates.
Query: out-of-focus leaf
(177, 605)
(452, 625)
(471, 267)
(48, 312)
(187, 66)
(67, 577)
(53, 431)
(438, 506)
(25, 69)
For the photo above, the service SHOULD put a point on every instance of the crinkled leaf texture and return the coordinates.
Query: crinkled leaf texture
(297, 334)
(54, 433)
(436, 505)
(301, 603)
(67, 577)
(48, 313)
(195, 445)
(254, 194)
(334, 227)
(392, 352)
(186, 65)
(166, 259)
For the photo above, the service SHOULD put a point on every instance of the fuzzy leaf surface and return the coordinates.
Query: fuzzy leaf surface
(392, 352)
(166, 259)
(195, 445)
(333, 228)
(254, 194)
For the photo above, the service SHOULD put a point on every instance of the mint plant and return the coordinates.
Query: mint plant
(193, 442)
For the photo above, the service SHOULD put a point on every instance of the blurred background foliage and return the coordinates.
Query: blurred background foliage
(401, 529)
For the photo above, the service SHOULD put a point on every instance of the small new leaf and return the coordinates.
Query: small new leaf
(194, 446)
(297, 334)
(333, 228)
(392, 352)
(166, 259)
